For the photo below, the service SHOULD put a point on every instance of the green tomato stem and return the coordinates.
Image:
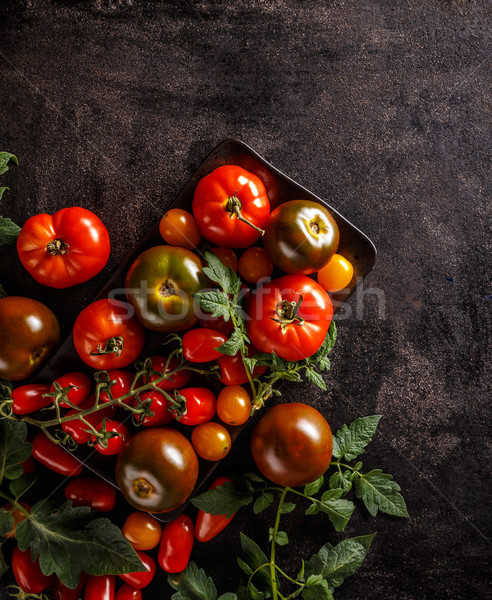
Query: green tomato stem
(275, 592)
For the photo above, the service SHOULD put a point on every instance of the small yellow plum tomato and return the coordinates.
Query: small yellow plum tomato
(233, 405)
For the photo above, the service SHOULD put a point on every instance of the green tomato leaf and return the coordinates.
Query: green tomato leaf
(314, 487)
(250, 363)
(287, 507)
(2, 190)
(314, 377)
(227, 596)
(6, 521)
(349, 442)
(378, 491)
(233, 345)
(9, 231)
(69, 541)
(313, 509)
(193, 584)
(339, 511)
(365, 540)
(214, 302)
(262, 502)
(5, 158)
(223, 500)
(255, 557)
(274, 362)
(324, 364)
(281, 538)
(341, 481)
(326, 346)
(316, 589)
(19, 486)
(245, 568)
(3, 293)
(14, 449)
(291, 376)
(217, 272)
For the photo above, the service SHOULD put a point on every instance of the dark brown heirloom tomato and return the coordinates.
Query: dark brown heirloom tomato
(29, 332)
(292, 444)
(157, 469)
(301, 236)
(160, 284)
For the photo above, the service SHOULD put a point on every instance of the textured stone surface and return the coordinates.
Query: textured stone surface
(378, 106)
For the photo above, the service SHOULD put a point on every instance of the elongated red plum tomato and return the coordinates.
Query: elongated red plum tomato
(141, 579)
(117, 440)
(91, 491)
(157, 469)
(62, 592)
(179, 228)
(64, 249)
(289, 316)
(128, 592)
(176, 544)
(207, 526)
(54, 457)
(28, 573)
(29, 398)
(28, 335)
(107, 336)
(301, 236)
(200, 345)
(232, 371)
(76, 386)
(336, 275)
(231, 207)
(100, 587)
(163, 364)
(77, 428)
(142, 530)
(160, 285)
(292, 444)
(193, 406)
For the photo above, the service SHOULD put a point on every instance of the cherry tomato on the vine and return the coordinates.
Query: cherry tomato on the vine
(29, 398)
(91, 491)
(233, 405)
(255, 264)
(227, 256)
(116, 442)
(123, 383)
(100, 587)
(176, 544)
(64, 249)
(128, 592)
(207, 526)
(197, 407)
(200, 345)
(175, 381)
(179, 228)
(211, 441)
(159, 405)
(77, 428)
(232, 371)
(17, 515)
(80, 384)
(141, 579)
(142, 530)
(336, 275)
(54, 457)
(28, 573)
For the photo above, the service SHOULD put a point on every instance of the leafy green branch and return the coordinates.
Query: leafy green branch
(9, 231)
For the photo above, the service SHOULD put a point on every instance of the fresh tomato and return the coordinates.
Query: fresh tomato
(301, 236)
(62, 592)
(76, 386)
(231, 207)
(28, 573)
(253, 165)
(289, 316)
(160, 285)
(176, 544)
(142, 530)
(106, 336)
(233, 405)
(116, 442)
(157, 469)
(227, 257)
(30, 332)
(207, 526)
(29, 398)
(179, 228)
(215, 323)
(91, 491)
(197, 407)
(336, 275)
(141, 579)
(200, 345)
(292, 444)
(175, 381)
(159, 405)
(79, 430)
(255, 265)
(128, 592)
(232, 371)
(17, 515)
(211, 441)
(54, 457)
(64, 249)
(100, 587)
(122, 385)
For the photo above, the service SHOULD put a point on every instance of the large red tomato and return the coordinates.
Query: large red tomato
(231, 207)
(64, 249)
(289, 316)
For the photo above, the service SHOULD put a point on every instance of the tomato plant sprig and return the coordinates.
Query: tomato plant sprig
(9, 231)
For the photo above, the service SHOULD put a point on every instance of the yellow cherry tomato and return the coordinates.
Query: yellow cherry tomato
(336, 275)
(211, 440)
(142, 530)
(233, 405)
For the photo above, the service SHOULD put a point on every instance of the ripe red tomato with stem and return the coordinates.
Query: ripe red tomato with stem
(29, 398)
(78, 430)
(207, 526)
(100, 587)
(91, 491)
(54, 457)
(231, 207)
(28, 573)
(200, 345)
(64, 249)
(175, 381)
(159, 405)
(80, 386)
(141, 579)
(193, 405)
(289, 316)
(142, 530)
(128, 592)
(107, 336)
(232, 371)
(211, 441)
(176, 544)
(116, 442)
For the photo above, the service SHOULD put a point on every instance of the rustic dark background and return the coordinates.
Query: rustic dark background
(378, 106)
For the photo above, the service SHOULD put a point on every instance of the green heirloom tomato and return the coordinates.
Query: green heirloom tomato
(301, 236)
(160, 285)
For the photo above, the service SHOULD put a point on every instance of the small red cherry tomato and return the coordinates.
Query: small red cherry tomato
(54, 457)
(174, 382)
(197, 407)
(176, 544)
(255, 264)
(200, 345)
(141, 579)
(62, 592)
(17, 515)
(159, 405)
(91, 491)
(28, 573)
(233, 405)
(116, 442)
(211, 441)
(106, 335)
(207, 526)
(232, 371)
(123, 383)
(227, 257)
(29, 398)
(80, 384)
(142, 530)
(100, 587)
(178, 228)
(77, 428)
(128, 592)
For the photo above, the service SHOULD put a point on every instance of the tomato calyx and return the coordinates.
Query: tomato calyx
(287, 312)
(142, 488)
(57, 247)
(113, 345)
(234, 206)
(60, 394)
(177, 406)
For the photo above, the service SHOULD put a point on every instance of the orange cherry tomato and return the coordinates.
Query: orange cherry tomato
(227, 257)
(255, 264)
(211, 440)
(178, 228)
(17, 515)
(234, 405)
(142, 531)
(336, 275)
